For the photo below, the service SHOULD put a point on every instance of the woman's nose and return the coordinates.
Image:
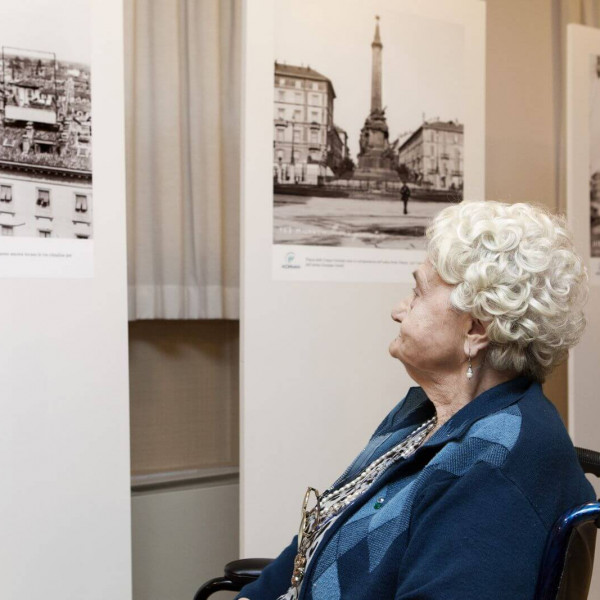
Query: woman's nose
(397, 313)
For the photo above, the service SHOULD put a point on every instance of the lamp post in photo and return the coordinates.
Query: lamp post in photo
(292, 123)
(293, 158)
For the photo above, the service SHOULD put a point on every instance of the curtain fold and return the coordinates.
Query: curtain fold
(583, 12)
(183, 67)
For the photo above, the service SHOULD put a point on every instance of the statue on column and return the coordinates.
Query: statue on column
(376, 159)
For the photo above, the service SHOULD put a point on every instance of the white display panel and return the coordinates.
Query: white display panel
(583, 46)
(64, 427)
(316, 374)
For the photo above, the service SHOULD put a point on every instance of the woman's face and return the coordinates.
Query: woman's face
(431, 340)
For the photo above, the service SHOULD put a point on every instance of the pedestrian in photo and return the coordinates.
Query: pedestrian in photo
(405, 195)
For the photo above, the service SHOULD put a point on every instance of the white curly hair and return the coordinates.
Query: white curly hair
(514, 267)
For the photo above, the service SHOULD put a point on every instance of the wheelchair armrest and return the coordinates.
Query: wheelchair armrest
(589, 460)
(246, 570)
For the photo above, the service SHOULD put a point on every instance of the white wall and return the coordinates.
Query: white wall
(182, 538)
(315, 370)
(64, 430)
(183, 395)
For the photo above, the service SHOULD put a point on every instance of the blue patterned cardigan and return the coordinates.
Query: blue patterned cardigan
(466, 516)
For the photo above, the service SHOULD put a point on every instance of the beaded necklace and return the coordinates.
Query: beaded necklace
(334, 501)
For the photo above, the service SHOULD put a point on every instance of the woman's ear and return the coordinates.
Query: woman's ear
(476, 338)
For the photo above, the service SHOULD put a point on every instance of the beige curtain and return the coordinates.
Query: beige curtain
(183, 79)
(583, 12)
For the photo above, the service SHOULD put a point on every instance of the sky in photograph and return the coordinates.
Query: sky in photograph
(423, 60)
(594, 117)
(59, 26)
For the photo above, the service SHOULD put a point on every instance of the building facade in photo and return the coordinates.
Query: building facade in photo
(38, 201)
(433, 155)
(45, 146)
(307, 146)
(595, 193)
(338, 150)
(595, 214)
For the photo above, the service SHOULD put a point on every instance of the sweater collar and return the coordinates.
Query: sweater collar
(493, 400)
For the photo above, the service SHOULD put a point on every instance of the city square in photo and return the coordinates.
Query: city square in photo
(368, 124)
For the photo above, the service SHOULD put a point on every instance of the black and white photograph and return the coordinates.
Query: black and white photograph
(46, 121)
(595, 156)
(368, 124)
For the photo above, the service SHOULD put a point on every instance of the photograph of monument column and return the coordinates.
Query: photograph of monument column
(367, 124)
(377, 160)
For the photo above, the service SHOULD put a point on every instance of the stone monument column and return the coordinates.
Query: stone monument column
(377, 48)
(376, 159)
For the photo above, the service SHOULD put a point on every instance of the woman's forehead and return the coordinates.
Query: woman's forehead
(425, 271)
(428, 276)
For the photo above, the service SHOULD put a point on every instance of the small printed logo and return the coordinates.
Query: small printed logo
(290, 259)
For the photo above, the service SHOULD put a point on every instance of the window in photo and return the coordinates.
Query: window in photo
(5, 193)
(43, 198)
(457, 159)
(81, 203)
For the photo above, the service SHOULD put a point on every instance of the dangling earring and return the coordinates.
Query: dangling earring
(470, 368)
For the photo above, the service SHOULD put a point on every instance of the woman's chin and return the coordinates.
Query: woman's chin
(394, 347)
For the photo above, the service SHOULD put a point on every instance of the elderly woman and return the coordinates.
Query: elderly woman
(455, 493)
